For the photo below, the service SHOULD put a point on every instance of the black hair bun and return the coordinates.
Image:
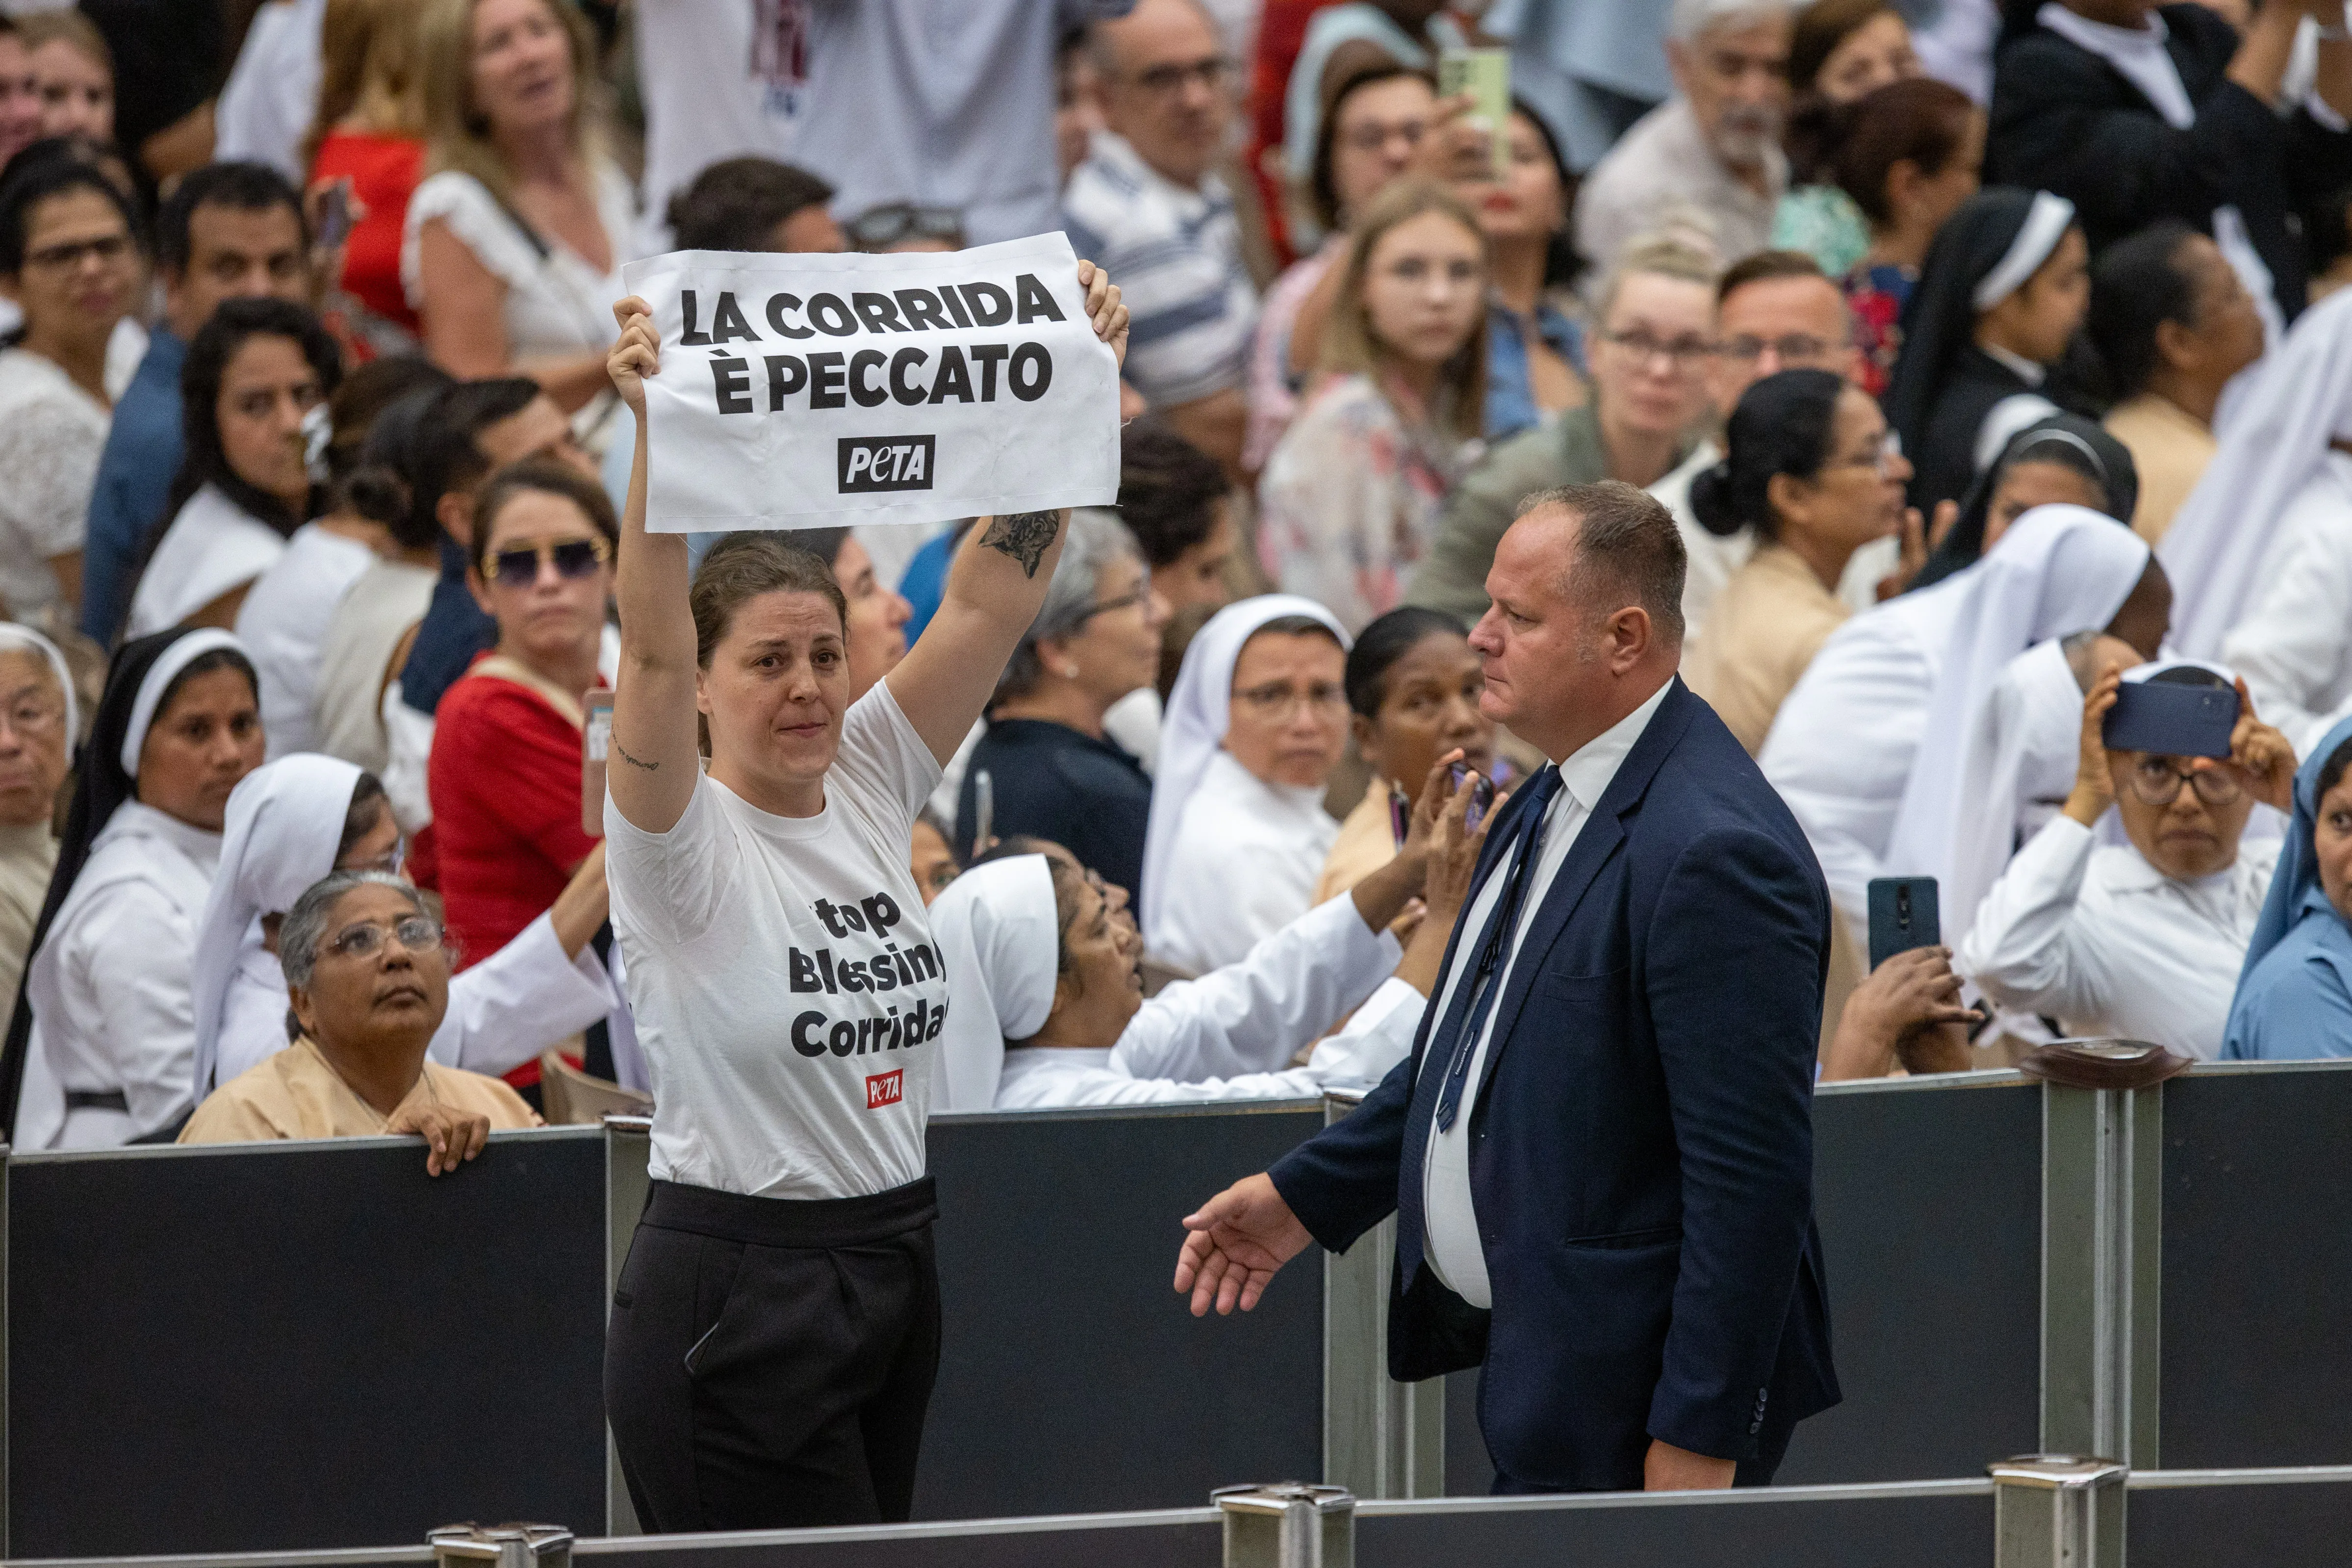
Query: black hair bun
(1711, 503)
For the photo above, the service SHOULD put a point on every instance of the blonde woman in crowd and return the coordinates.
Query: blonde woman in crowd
(513, 245)
(1352, 496)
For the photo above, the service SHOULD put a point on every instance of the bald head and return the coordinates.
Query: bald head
(1165, 85)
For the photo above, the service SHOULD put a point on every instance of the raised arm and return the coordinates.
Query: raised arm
(655, 756)
(993, 592)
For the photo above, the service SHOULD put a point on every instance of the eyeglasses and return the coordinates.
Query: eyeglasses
(1168, 80)
(894, 221)
(1127, 601)
(65, 257)
(1681, 355)
(572, 558)
(415, 934)
(1882, 453)
(34, 720)
(389, 862)
(1372, 136)
(2158, 783)
(1795, 349)
(1279, 699)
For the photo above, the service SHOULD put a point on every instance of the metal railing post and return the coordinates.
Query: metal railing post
(2102, 1222)
(628, 1147)
(1288, 1525)
(1382, 1438)
(501, 1546)
(2055, 1511)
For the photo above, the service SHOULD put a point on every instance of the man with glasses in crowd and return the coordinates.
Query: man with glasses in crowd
(1149, 207)
(1711, 153)
(1774, 310)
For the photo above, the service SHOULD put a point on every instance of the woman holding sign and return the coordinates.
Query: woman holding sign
(775, 1331)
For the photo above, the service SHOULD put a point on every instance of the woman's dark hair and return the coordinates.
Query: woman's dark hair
(2327, 233)
(540, 476)
(31, 181)
(1562, 264)
(1784, 425)
(737, 203)
(204, 663)
(1380, 645)
(1820, 28)
(1919, 119)
(233, 324)
(2138, 284)
(361, 400)
(369, 802)
(2332, 771)
(743, 566)
(1168, 490)
(1322, 184)
(423, 446)
(824, 543)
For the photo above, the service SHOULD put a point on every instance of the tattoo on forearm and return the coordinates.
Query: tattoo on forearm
(622, 751)
(1025, 536)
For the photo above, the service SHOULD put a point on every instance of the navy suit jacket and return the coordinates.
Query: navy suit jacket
(1641, 1151)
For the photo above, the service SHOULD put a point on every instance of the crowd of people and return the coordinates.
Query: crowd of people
(1992, 378)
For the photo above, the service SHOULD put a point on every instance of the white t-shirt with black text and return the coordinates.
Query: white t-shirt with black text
(786, 988)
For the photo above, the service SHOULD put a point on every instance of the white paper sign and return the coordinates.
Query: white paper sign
(810, 391)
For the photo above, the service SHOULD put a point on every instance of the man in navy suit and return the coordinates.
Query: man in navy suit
(1600, 1151)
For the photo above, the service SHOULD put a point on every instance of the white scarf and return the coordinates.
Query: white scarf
(1000, 940)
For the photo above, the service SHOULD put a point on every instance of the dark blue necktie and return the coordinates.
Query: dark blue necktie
(1474, 997)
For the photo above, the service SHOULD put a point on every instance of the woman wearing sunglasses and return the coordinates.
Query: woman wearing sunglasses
(368, 973)
(505, 769)
(306, 817)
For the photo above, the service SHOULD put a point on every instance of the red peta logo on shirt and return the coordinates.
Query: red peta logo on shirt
(885, 1089)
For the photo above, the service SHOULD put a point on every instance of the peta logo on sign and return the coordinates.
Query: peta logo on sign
(870, 463)
(886, 1089)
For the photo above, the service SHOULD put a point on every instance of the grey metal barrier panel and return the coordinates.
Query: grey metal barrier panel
(247, 1347)
(2255, 1365)
(1072, 1377)
(2281, 1518)
(1919, 1524)
(1929, 1193)
(1169, 1538)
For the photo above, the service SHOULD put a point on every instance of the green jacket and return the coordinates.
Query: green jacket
(1567, 451)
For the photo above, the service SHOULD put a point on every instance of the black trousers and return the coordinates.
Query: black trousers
(769, 1361)
(1771, 1448)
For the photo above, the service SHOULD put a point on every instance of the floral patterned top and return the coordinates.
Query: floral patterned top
(1350, 501)
(1822, 222)
(1876, 296)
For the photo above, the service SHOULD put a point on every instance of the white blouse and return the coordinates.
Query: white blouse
(113, 1009)
(2291, 644)
(51, 434)
(1247, 859)
(283, 623)
(557, 301)
(213, 545)
(2102, 940)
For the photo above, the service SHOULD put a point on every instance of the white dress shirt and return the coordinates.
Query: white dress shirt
(2102, 940)
(2290, 644)
(1451, 1220)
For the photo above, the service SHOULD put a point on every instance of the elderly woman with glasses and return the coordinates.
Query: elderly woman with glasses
(505, 769)
(1050, 771)
(367, 971)
(2144, 939)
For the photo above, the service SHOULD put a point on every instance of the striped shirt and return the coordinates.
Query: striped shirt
(1176, 256)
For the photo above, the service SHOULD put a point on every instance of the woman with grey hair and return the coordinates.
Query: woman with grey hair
(1051, 771)
(367, 971)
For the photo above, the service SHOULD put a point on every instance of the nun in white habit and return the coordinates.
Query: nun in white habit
(291, 823)
(1896, 686)
(2262, 549)
(1231, 857)
(1018, 976)
(102, 1045)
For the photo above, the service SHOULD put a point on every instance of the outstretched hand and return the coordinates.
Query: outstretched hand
(1238, 1239)
(636, 354)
